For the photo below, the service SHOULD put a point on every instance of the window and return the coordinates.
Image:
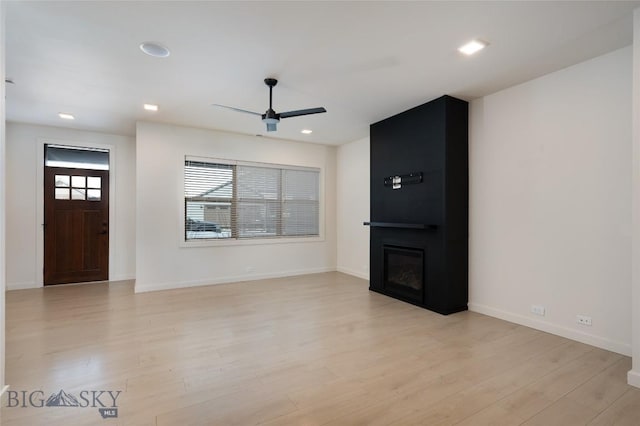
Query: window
(240, 201)
(82, 187)
(76, 157)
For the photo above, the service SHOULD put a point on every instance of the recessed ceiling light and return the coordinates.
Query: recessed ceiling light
(154, 49)
(472, 47)
(306, 131)
(150, 107)
(66, 116)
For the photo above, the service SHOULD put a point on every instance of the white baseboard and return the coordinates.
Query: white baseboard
(122, 277)
(589, 339)
(633, 378)
(349, 271)
(143, 288)
(30, 284)
(23, 285)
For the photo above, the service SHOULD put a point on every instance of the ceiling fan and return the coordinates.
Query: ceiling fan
(270, 117)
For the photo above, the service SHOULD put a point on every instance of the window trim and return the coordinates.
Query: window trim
(194, 243)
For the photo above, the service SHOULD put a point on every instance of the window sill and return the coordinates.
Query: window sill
(249, 242)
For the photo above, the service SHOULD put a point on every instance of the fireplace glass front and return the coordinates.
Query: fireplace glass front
(404, 271)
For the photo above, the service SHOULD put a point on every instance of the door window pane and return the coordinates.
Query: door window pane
(62, 181)
(93, 194)
(62, 193)
(78, 181)
(94, 182)
(78, 194)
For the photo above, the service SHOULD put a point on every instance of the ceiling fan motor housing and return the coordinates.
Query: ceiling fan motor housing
(271, 119)
(270, 113)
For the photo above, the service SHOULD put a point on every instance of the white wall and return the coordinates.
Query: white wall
(353, 208)
(550, 212)
(2, 193)
(634, 375)
(24, 237)
(162, 261)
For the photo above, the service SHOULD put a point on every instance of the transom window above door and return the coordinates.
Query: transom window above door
(76, 157)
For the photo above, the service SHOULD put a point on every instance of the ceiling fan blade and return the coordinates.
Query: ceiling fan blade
(302, 112)
(271, 127)
(236, 109)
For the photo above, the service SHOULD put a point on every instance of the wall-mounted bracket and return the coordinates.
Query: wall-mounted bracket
(396, 182)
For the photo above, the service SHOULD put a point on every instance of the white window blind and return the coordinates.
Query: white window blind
(300, 196)
(250, 201)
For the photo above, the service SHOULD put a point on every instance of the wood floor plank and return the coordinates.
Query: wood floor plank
(240, 408)
(605, 388)
(522, 399)
(467, 403)
(310, 350)
(542, 393)
(564, 412)
(625, 411)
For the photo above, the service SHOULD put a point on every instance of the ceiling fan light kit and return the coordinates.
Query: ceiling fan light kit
(272, 118)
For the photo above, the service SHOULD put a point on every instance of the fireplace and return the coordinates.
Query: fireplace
(419, 206)
(404, 271)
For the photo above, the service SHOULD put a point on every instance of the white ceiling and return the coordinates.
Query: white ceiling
(363, 61)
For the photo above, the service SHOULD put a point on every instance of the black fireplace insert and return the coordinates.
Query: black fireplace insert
(404, 271)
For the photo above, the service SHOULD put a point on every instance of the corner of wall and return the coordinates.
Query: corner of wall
(2, 194)
(633, 376)
(22, 285)
(352, 208)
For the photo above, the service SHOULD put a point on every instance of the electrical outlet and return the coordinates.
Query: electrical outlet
(583, 319)
(538, 310)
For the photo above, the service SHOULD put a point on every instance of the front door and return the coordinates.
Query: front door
(76, 228)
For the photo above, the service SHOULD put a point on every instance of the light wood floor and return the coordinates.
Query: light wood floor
(312, 350)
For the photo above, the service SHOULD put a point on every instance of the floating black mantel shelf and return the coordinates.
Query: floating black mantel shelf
(399, 225)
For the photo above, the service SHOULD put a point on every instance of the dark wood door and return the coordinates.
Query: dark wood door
(76, 228)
